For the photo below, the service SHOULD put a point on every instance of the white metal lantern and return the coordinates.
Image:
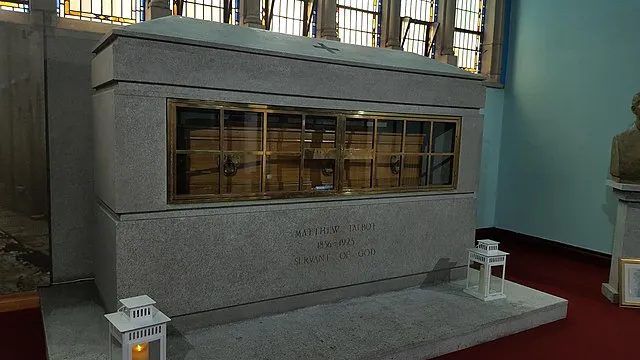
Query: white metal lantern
(487, 254)
(137, 331)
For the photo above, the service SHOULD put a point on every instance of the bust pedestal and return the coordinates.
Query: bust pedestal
(626, 233)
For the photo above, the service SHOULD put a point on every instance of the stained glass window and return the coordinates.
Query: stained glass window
(421, 12)
(293, 17)
(358, 21)
(225, 11)
(467, 36)
(106, 11)
(15, 5)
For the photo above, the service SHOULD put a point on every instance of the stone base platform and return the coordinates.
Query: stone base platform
(415, 323)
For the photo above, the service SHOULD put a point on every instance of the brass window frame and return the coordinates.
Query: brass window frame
(339, 157)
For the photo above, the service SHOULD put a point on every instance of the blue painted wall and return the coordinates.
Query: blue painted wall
(488, 187)
(573, 67)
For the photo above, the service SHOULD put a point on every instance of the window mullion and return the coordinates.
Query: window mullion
(263, 177)
(403, 142)
(430, 154)
(221, 160)
(173, 147)
(456, 156)
(375, 154)
(339, 161)
(306, 14)
(269, 14)
(302, 137)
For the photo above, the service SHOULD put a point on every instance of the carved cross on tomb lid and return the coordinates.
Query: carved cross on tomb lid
(325, 47)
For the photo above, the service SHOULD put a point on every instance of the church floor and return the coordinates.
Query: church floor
(24, 252)
(594, 328)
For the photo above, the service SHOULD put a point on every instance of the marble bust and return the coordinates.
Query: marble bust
(625, 150)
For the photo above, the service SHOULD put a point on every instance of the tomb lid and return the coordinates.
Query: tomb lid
(182, 30)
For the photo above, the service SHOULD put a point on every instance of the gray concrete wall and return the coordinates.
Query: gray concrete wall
(70, 151)
(69, 99)
(23, 169)
(25, 261)
(45, 84)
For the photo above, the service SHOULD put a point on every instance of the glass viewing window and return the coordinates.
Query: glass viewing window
(226, 151)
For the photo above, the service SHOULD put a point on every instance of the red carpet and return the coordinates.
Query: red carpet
(22, 336)
(594, 328)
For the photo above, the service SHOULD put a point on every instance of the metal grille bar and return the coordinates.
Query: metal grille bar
(293, 17)
(223, 11)
(358, 22)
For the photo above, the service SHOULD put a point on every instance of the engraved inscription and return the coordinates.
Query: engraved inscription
(335, 243)
(323, 230)
(335, 248)
(346, 255)
(304, 260)
(362, 227)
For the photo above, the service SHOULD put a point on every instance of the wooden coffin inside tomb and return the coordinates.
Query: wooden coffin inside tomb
(294, 160)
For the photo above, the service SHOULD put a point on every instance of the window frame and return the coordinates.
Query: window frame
(480, 33)
(230, 10)
(340, 151)
(15, 5)
(309, 17)
(137, 12)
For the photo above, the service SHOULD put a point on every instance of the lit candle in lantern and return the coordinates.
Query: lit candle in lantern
(140, 352)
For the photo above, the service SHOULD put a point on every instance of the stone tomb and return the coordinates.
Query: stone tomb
(245, 172)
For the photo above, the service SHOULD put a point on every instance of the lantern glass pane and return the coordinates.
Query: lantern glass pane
(140, 351)
(116, 349)
(146, 350)
(154, 350)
